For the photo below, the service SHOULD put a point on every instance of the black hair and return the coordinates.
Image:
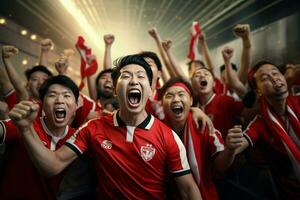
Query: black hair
(200, 62)
(127, 60)
(250, 97)
(222, 67)
(38, 68)
(153, 56)
(101, 73)
(172, 81)
(61, 80)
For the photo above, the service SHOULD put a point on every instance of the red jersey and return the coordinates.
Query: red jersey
(219, 88)
(87, 105)
(11, 99)
(131, 162)
(21, 180)
(224, 112)
(201, 147)
(285, 172)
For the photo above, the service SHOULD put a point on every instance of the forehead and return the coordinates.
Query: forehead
(132, 68)
(39, 74)
(265, 69)
(175, 89)
(202, 71)
(106, 74)
(59, 88)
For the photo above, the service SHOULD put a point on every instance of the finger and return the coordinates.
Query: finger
(197, 124)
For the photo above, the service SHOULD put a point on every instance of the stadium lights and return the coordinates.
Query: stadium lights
(24, 32)
(33, 37)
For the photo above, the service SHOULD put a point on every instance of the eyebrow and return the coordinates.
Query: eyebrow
(56, 92)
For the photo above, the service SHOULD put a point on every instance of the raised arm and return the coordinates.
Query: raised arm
(5, 83)
(46, 46)
(167, 44)
(62, 64)
(91, 80)
(49, 163)
(154, 34)
(7, 53)
(108, 40)
(243, 31)
(292, 73)
(233, 82)
(205, 50)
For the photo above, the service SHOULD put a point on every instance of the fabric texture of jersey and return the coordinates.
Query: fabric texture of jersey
(131, 162)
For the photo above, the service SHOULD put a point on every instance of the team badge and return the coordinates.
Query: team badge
(106, 144)
(147, 152)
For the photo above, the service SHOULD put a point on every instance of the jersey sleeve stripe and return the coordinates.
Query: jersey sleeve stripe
(9, 93)
(3, 130)
(181, 172)
(245, 131)
(74, 148)
(183, 157)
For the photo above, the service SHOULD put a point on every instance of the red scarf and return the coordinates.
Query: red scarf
(85, 51)
(193, 50)
(278, 127)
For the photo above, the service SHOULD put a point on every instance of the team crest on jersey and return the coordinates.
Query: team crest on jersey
(106, 144)
(147, 152)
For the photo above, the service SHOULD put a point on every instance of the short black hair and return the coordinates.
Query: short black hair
(101, 73)
(38, 68)
(127, 60)
(61, 80)
(153, 56)
(222, 67)
(189, 64)
(172, 81)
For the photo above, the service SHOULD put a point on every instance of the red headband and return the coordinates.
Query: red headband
(183, 86)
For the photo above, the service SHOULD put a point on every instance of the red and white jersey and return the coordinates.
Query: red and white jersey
(21, 180)
(131, 162)
(224, 112)
(285, 172)
(87, 105)
(11, 98)
(201, 147)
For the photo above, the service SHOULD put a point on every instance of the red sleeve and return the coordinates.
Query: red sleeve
(78, 142)
(216, 143)
(11, 99)
(219, 87)
(176, 155)
(9, 130)
(88, 105)
(253, 131)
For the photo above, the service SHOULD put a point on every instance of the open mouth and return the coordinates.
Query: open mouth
(108, 86)
(134, 97)
(60, 114)
(177, 109)
(203, 83)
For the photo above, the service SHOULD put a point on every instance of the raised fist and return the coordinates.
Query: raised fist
(68, 52)
(153, 32)
(24, 113)
(227, 53)
(109, 39)
(202, 37)
(9, 51)
(242, 30)
(46, 44)
(61, 65)
(167, 44)
(234, 138)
